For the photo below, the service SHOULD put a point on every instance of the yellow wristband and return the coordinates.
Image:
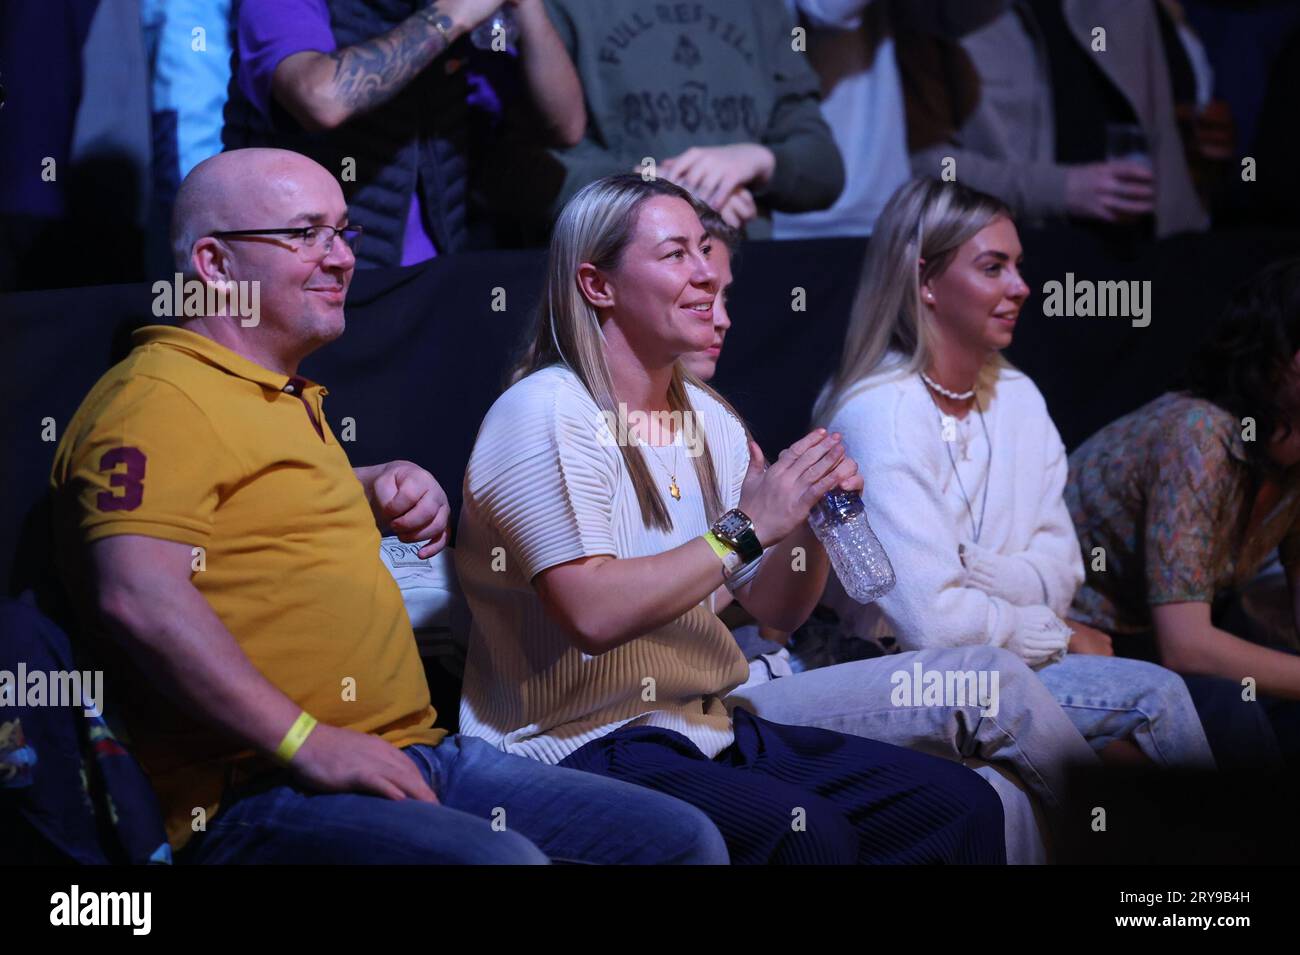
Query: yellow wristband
(719, 548)
(731, 561)
(296, 736)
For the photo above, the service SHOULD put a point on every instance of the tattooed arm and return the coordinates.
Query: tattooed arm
(323, 91)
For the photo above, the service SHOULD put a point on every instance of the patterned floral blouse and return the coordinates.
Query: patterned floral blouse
(1166, 494)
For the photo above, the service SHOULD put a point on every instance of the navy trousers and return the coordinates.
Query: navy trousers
(795, 794)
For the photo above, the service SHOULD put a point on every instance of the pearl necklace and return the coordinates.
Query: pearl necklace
(940, 389)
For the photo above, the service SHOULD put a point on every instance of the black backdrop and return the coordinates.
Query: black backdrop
(424, 353)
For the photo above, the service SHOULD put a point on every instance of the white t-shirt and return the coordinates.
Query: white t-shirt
(865, 113)
(917, 502)
(547, 485)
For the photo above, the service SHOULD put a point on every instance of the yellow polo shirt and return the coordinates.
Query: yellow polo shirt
(186, 441)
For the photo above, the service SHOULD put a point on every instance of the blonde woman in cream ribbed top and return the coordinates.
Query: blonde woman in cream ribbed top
(590, 561)
(546, 485)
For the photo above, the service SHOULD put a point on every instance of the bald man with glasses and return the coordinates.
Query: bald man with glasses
(224, 555)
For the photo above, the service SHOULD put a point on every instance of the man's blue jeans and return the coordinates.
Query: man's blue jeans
(494, 808)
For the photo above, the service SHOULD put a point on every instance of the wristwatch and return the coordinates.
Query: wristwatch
(439, 21)
(736, 530)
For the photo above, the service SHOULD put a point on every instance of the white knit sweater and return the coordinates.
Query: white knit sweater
(1031, 560)
(544, 488)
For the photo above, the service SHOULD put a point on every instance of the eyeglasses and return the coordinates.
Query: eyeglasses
(319, 239)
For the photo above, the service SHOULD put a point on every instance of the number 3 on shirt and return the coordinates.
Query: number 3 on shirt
(131, 481)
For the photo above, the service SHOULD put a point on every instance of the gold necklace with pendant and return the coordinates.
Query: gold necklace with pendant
(673, 489)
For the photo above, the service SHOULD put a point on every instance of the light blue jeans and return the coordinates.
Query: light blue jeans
(493, 808)
(1111, 698)
(1028, 734)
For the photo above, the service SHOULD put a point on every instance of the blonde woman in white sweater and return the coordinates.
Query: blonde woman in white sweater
(964, 473)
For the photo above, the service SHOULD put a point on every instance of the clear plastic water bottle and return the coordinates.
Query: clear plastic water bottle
(504, 19)
(839, 520)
